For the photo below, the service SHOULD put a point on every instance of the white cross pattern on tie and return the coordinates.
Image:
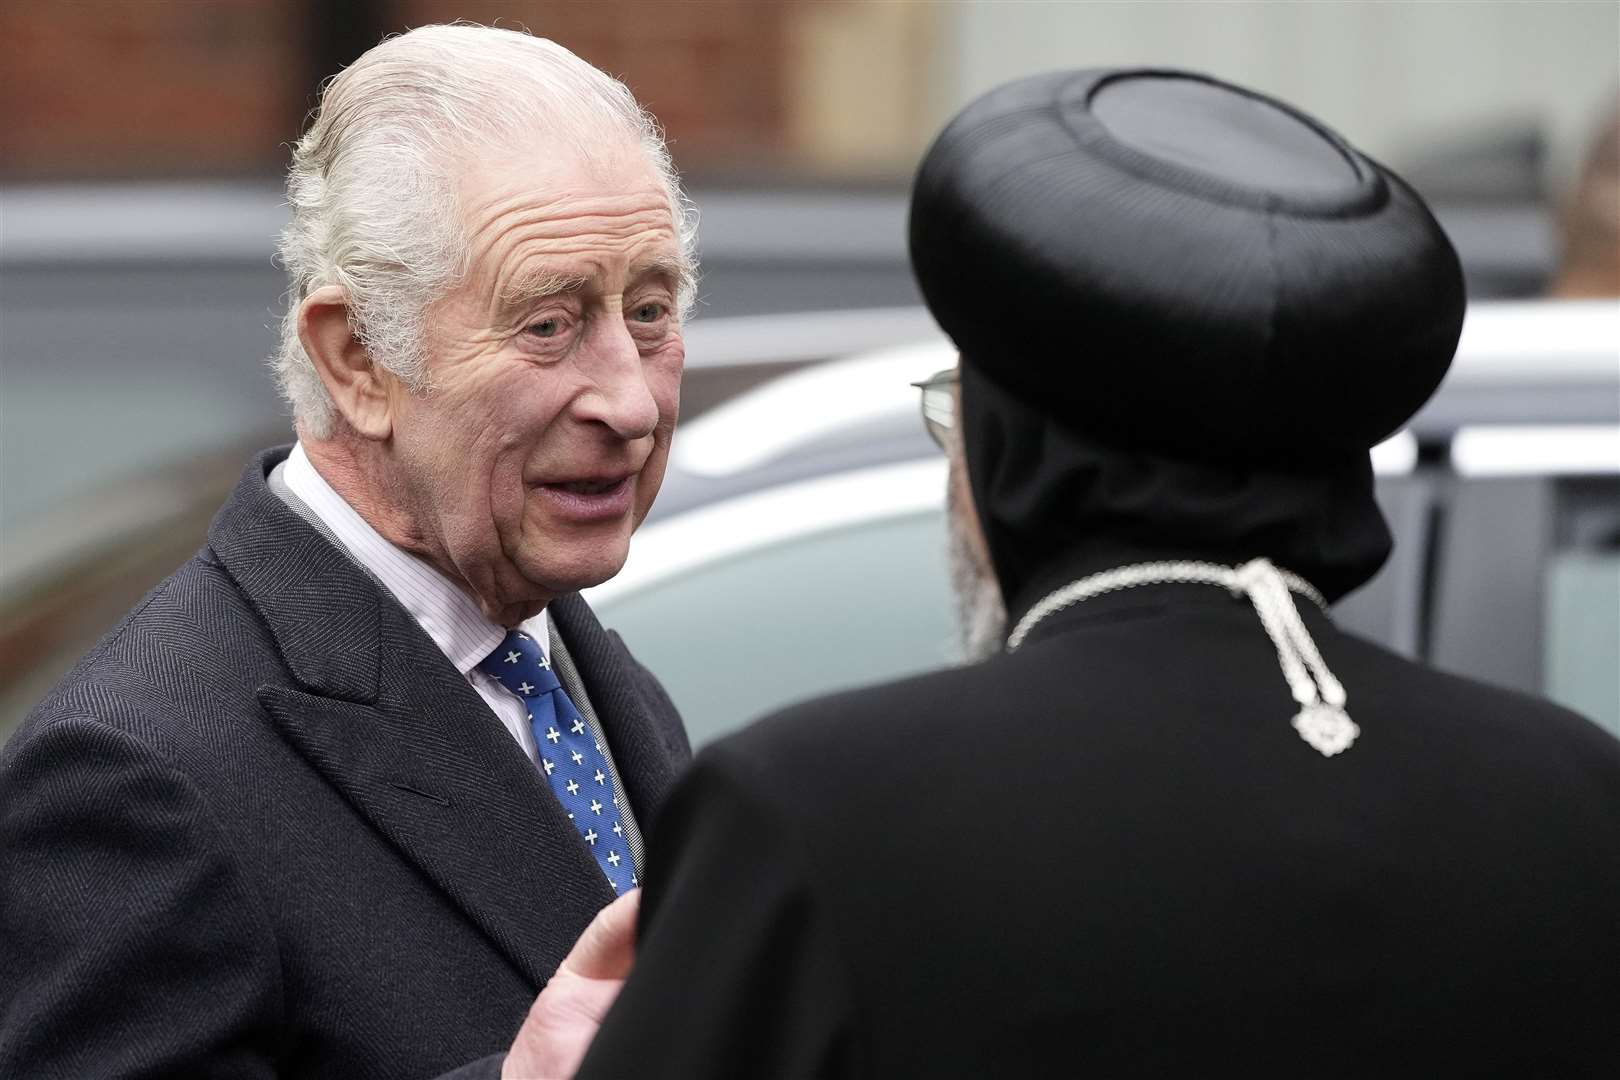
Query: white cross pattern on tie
(517, 664)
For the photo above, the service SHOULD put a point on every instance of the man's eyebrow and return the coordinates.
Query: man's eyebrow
(537, 285)
(673, 267)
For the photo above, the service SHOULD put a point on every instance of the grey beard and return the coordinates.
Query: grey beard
(981, 623)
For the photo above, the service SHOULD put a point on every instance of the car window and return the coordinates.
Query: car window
(1581, 641)
(734, 639)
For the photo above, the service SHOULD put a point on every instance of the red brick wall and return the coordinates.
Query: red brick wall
(121, 87)
(113, 88)
(710, 70)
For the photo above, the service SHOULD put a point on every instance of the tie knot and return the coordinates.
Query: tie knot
(520, 665)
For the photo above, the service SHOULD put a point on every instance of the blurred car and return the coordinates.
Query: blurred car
(798, 545)
(137, 317)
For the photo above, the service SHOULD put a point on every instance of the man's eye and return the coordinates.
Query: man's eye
(648, 313)
(545, 328)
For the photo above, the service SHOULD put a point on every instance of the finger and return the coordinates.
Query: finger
(569, 1001)
(607, 948)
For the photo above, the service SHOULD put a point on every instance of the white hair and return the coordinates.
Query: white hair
(981, 614)
(373, 186)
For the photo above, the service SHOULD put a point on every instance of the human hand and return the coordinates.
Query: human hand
(564, 1018)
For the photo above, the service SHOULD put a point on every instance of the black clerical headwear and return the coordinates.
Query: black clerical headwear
(1183, 265)
(1186, 311)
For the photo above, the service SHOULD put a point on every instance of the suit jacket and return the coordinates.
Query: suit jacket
(266, 829)
(1109, 854)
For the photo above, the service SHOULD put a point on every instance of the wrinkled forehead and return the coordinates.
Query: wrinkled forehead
(527, 209)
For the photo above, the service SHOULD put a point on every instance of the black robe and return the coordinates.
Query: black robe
(1109, 853)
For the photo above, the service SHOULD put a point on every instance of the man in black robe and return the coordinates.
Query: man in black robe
(1175, 821)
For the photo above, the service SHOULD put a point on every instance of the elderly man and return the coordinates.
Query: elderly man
(339, 796)
(1175, 821)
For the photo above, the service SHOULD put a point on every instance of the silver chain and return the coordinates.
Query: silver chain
(1322, 721)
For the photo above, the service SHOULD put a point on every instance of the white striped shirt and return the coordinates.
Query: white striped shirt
(451, 618)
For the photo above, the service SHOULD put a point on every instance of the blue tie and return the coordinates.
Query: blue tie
(572, 759)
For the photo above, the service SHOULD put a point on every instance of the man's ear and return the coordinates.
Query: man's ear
(359, 388)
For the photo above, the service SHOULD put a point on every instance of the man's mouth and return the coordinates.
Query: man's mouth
(589, 487)
(596, 498)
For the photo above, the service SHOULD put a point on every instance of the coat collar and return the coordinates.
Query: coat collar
(384, 716)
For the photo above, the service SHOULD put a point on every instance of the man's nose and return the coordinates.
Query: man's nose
(620, 399)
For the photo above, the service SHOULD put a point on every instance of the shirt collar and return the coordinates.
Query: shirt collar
(442, 608)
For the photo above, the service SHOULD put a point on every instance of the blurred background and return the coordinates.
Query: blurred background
(142, 144)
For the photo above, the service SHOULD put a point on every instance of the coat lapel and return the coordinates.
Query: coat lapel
(646, 759)
(390, 723)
